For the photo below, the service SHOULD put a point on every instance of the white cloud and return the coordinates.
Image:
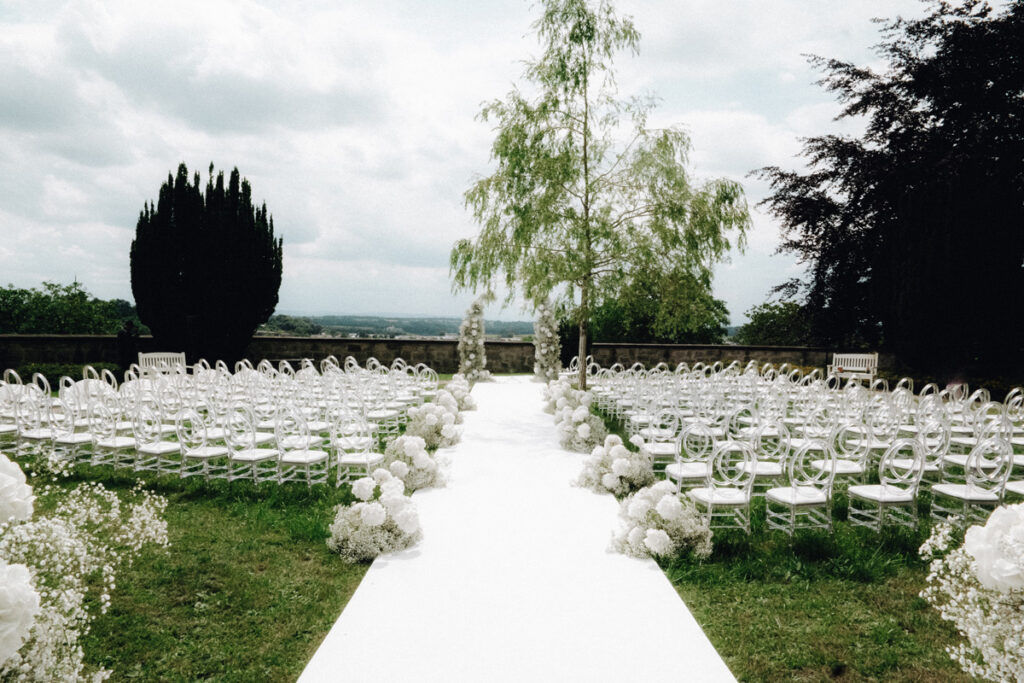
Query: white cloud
(355, 122)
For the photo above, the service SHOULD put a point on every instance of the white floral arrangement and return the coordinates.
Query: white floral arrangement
(656, 522)
(384, 520)
(50, 565)
(980, 588)
(547, 348)
(407, 459)
(459, 388)
(472, 358)
(554, 391)
(613, 468)
(579, 430)
(435, 422)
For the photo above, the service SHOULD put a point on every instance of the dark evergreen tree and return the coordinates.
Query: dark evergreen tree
(914, 232)
(205, 269)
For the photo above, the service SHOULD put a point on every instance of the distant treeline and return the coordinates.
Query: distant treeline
(370, 326)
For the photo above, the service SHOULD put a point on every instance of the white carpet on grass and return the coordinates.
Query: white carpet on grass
(513, 580)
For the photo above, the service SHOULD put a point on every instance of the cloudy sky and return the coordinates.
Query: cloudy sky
(355, 122)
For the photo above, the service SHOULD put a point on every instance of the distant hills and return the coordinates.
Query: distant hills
(373, 326)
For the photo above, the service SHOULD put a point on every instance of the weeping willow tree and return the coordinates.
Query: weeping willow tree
(585, 193)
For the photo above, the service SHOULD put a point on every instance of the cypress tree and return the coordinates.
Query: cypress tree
(205, 268)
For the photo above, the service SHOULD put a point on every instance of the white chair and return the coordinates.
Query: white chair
(771, 444)
(152, 452)
(300, 453)
(851, 451)
(246, 460)
(108, 446)
(198, 457)
(353, 442)
(895, 497)
(987, 470)
(724, 500)
(68, 441)
(807, 502)
(661, 439)
(696, 446)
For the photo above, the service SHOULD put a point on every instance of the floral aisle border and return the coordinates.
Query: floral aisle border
(979, 586)
(654, 520)
(49, 565)
(547, 348)
(385, 518)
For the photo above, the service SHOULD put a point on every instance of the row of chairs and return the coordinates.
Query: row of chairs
(260, 423)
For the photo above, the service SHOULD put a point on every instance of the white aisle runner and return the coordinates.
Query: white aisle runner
(513, 580)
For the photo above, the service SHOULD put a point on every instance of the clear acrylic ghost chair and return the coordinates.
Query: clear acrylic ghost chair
(806, 503)
(894, 498)
(771, 444)
(68, 439)
(850, 447)
(696, 445)
(32, 416)
(661, 440)
(724, 500)
(933, 441)
(109, 447)
(153, 453)
(353, 442)
(300, 453)
(199, 458)
(246, 460)
(988, 468)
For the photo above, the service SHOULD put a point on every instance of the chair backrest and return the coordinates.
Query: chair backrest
(146, 424)
(771, 441)
(801, 465)
(906, 477)
(191, 430)
(665, 425)
(696, 442)
(849, 441)
(290, 427)
(933, 439)
(240, 427)
(63, 416)
(989, 464)
(732, 465)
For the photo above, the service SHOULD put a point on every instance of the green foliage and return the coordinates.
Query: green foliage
(912, 231)
(291, 326)
(585, 195)
(246, 591)
(775, 324)
(60, 309)
(206, 267)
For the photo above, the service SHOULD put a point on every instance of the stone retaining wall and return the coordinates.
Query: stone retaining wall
(442, 355)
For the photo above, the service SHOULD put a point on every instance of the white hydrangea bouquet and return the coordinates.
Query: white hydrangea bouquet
(383, 521)
(407, 459)
(579, 430)
(613, 468)
(459, 388)
(435, 422)
(547, 349)
(50, 565)
(472, 358)
(556, 391)
(980, 588)
(655, 522)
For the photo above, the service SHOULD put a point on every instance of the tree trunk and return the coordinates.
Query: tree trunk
(584, 315)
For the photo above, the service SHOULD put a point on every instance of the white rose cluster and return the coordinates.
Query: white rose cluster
(998, 549)
(547, 349)
(459, 388)
(16, 499)
(613, 468)
(408, 460)
(435, 422)
(383, 521)
(656, 522)
(579, 430)
(472, 357)
(980, 588)
(19, 605)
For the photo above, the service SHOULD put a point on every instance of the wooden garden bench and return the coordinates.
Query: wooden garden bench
(150, 362)
(854, 365)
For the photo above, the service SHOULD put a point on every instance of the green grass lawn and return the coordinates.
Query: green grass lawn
(246, 591)
(819, 607)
